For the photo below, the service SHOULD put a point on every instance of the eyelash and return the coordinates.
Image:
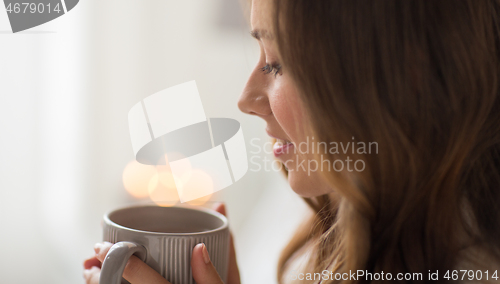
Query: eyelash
(272, 68)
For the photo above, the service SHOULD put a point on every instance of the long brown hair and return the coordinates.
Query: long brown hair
(421, 79)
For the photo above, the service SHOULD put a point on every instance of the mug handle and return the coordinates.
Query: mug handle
(116, 259)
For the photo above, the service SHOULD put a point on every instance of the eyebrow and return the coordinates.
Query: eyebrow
(260, 34)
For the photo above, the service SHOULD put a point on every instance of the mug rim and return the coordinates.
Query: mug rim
(225, 223)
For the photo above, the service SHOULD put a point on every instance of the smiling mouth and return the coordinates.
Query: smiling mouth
(281, 147)
(282, 141)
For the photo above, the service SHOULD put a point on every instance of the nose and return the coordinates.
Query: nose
(254, 99)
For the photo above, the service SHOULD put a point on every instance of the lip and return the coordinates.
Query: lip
(273, 136)
(278, 148)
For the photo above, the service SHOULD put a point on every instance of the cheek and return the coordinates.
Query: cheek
(307, 184)
(287, 109)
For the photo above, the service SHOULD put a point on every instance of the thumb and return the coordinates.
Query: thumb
(204, 271)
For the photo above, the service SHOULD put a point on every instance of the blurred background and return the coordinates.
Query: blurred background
(65, 90)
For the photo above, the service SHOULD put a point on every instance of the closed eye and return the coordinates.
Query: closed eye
(272, 68)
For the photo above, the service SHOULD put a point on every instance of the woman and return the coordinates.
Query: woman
(418, 79)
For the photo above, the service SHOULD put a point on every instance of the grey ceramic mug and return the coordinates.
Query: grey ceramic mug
(164, 237)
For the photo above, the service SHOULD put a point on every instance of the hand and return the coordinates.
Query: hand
(137, 272)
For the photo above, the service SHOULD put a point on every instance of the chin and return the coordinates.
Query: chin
(307, 186)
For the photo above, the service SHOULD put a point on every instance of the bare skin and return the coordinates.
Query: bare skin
(137, 272)
(272, 97)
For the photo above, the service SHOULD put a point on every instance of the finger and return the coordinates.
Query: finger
(233, 276)
(101, 250)
(204, 271)
(136, 271)
(221, 208)
(91, 262)
(92, 275)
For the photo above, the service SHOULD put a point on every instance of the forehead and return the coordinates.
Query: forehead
(261, 16)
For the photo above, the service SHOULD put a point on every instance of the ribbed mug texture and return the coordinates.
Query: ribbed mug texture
(170, 253)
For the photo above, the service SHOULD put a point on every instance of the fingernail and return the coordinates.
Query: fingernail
(206, 258)
(97, 248)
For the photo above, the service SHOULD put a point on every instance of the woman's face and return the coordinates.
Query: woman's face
(270, 93)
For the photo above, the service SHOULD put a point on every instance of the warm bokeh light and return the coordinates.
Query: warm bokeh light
(200, 201)
(199, 184)
(183, 166)
(136, 177)
(162, 189)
